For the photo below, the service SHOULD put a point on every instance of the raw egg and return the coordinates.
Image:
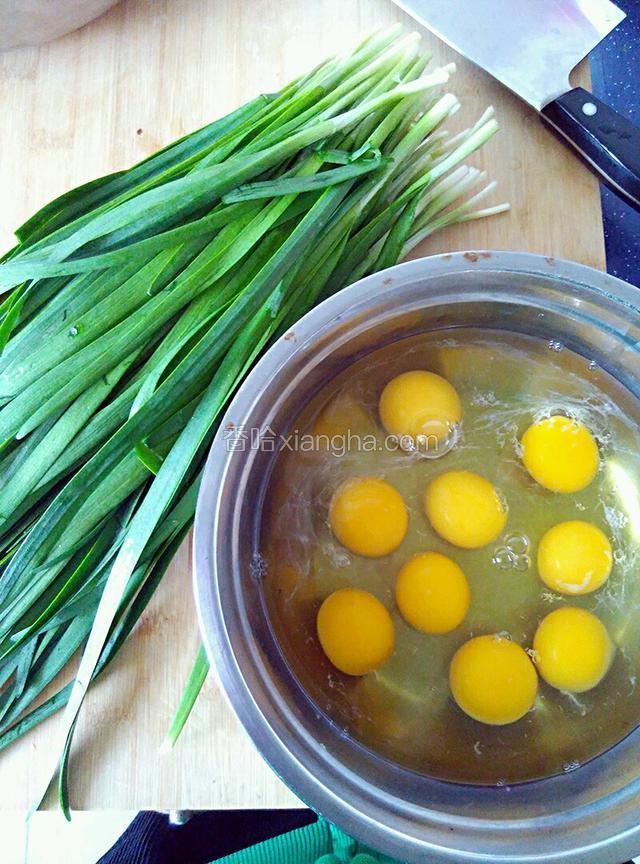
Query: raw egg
(343, 416)
(355, 630)
(368, 516)
(560, 454)
(573, 650)
(465, 509)
(493, 680)
(419, 404)
(574, 558)
(432, 593)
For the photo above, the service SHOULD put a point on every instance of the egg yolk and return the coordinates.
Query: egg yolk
(343, 415)
(368, 516)
(560, 454)
(419, 404)
(290, 582)
(493, 680)
(465, 509)
(355, 630)
(574, 558)
(432, 593)
(572, 649)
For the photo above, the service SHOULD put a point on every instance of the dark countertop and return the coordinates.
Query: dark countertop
(615, 70)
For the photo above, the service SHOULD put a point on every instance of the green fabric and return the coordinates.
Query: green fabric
(319, 843)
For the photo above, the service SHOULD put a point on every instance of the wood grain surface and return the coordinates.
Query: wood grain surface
(108, 95)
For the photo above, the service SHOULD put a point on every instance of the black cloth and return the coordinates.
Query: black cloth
(152, 839)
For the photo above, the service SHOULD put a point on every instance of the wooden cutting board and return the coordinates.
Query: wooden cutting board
(110, 94)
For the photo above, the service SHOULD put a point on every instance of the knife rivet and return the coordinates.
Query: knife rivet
(589, 109)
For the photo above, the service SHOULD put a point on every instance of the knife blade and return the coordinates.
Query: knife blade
(531, 46)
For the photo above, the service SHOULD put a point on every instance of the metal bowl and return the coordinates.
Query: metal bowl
(588, 815)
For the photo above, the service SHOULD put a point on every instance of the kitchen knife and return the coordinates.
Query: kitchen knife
(531, 46)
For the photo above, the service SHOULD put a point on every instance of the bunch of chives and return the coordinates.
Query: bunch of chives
(135, 305)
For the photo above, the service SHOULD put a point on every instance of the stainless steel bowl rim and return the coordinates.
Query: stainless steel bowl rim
(620, 845)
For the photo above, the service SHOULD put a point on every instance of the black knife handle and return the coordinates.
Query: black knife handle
(606, 140)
